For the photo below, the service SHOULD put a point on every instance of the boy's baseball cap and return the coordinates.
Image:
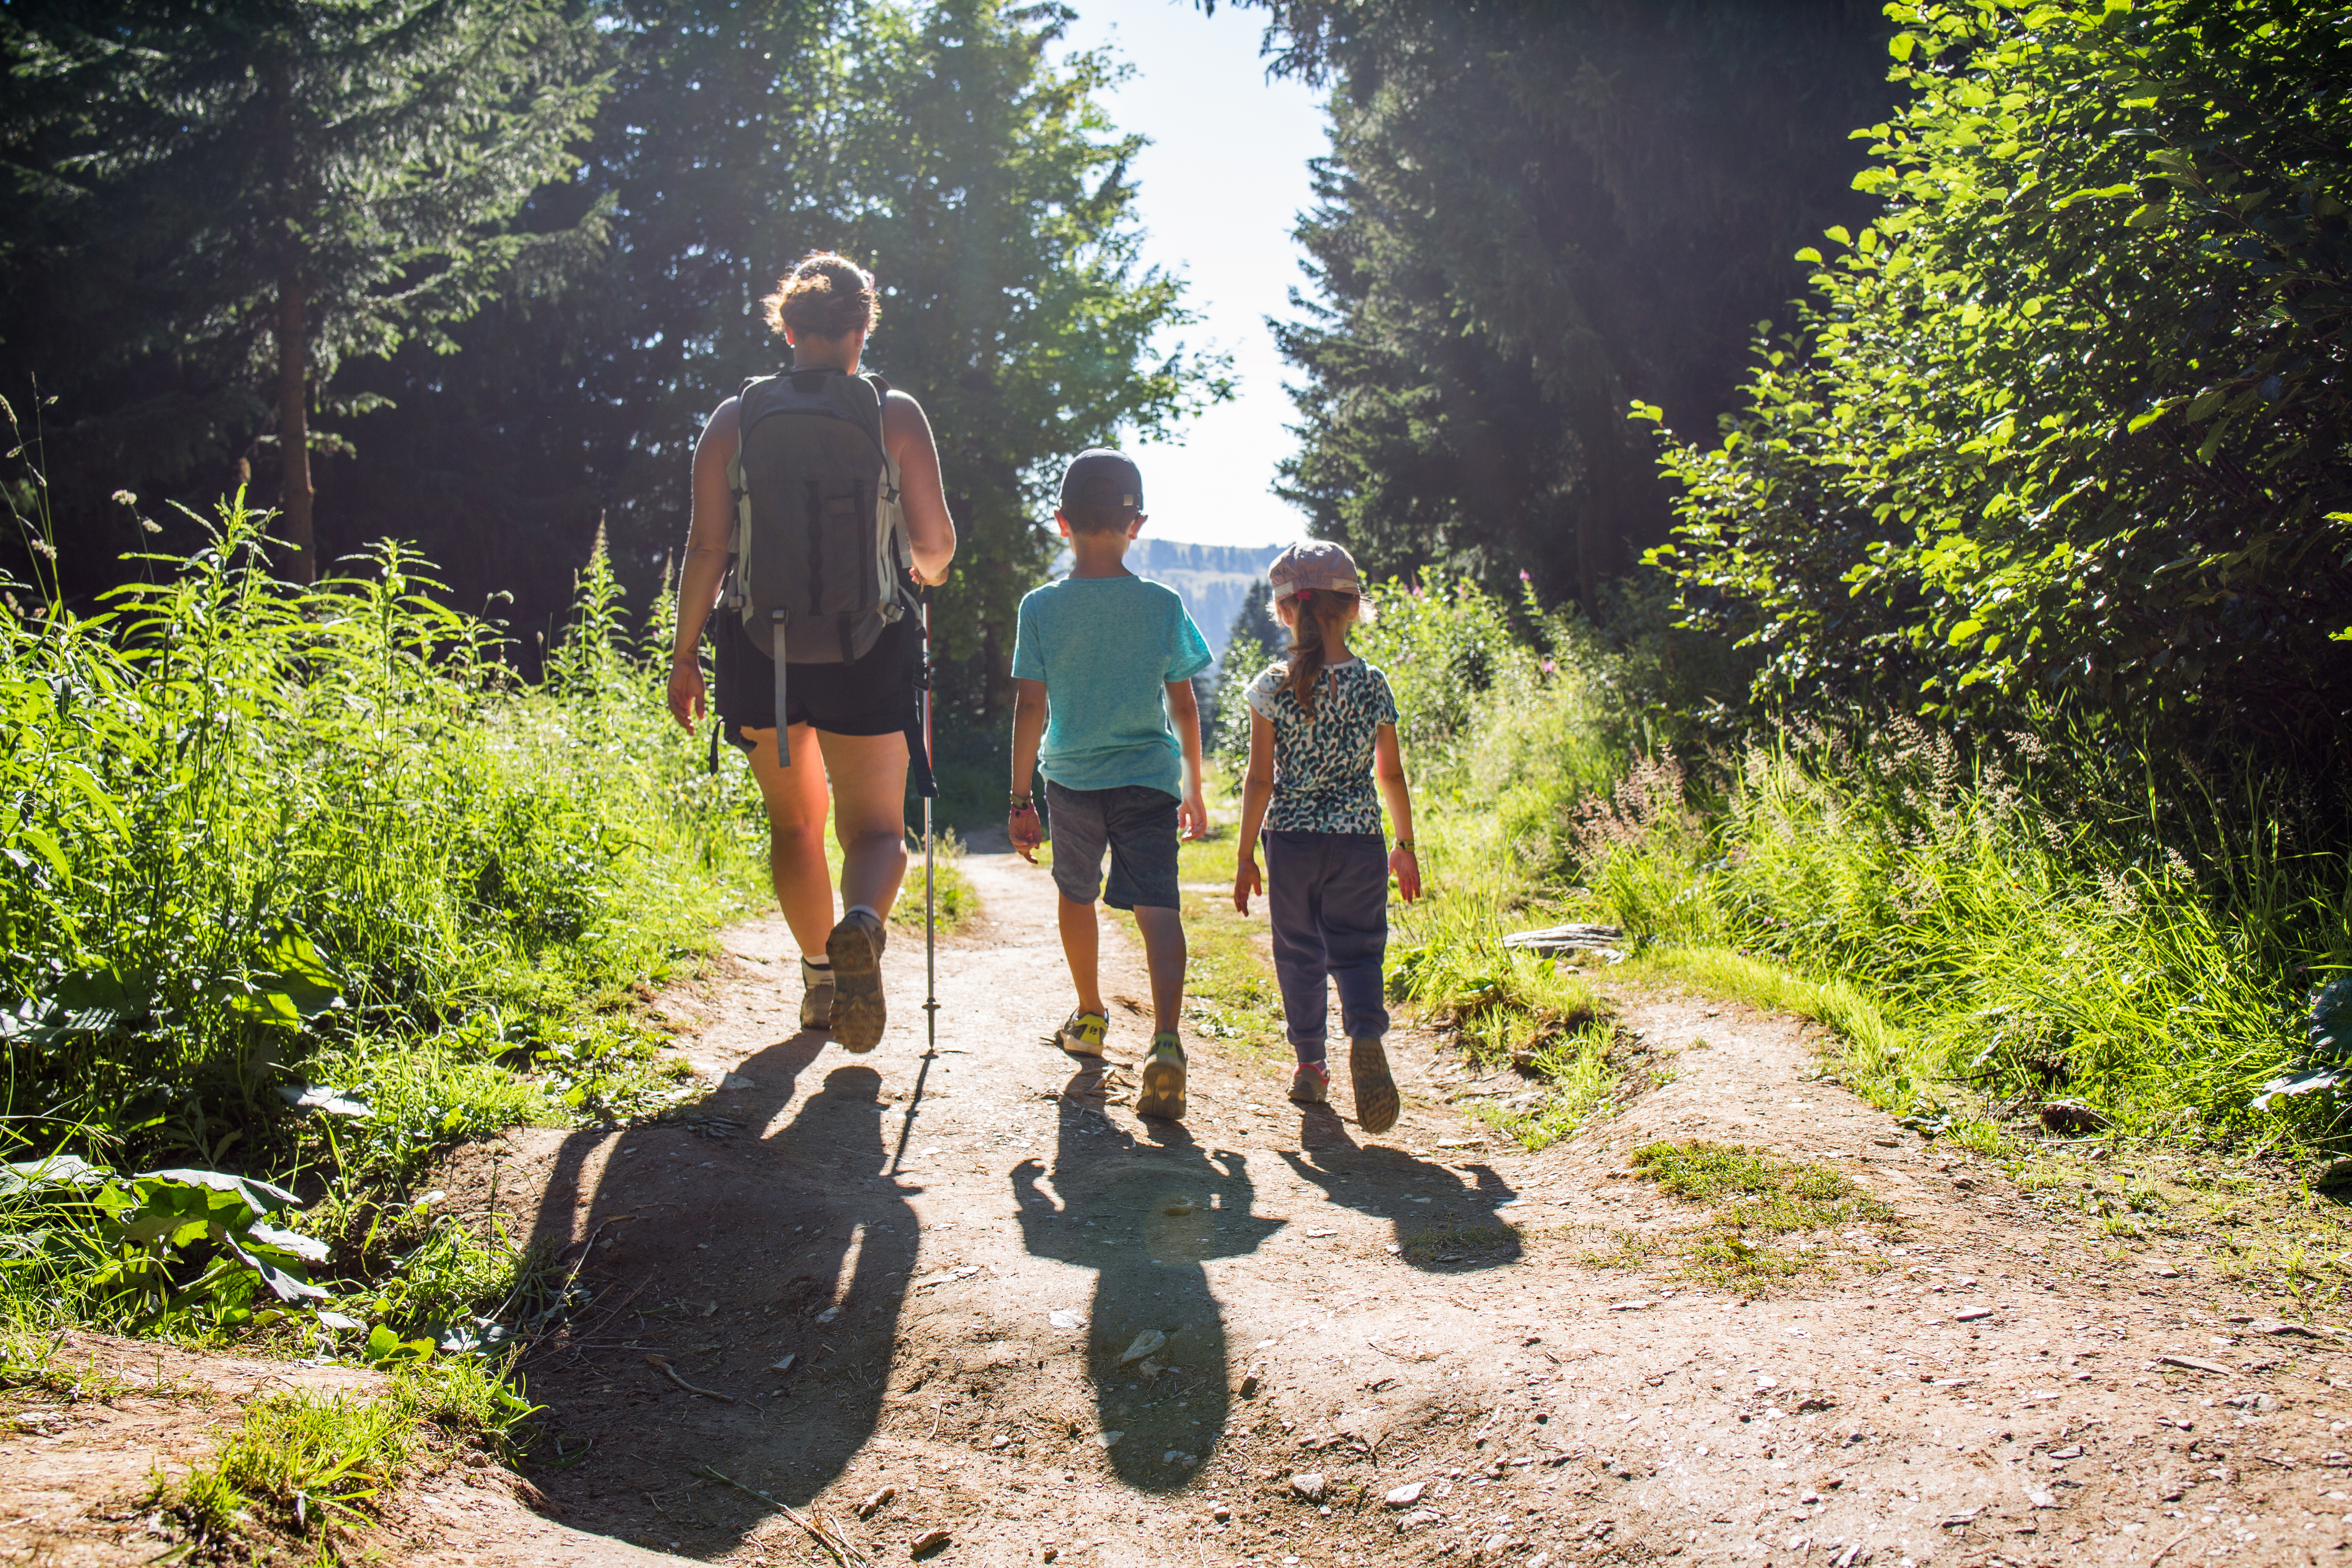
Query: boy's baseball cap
(1314, 563)
(1100, 480)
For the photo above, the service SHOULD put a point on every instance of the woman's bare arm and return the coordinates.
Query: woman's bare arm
(930, 530)
(706, 561)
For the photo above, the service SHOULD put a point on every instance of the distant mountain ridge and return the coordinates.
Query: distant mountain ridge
(1211, 579)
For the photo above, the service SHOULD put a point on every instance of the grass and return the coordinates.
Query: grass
(299, 1464)
(1756, 1201)
(2013, 935)
(1983, 929)
(274, 842)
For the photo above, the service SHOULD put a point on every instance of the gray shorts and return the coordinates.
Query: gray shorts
(1137, 823)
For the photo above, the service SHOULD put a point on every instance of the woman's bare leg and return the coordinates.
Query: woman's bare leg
(797, 802)
(869, 815)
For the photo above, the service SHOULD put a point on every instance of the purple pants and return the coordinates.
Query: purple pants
(1329, 895)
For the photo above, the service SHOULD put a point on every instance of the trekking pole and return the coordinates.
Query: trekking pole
(931, 923)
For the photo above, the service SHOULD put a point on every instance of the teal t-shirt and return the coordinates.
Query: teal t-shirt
(1107, 649)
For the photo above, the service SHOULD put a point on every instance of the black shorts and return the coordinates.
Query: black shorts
(871, 696)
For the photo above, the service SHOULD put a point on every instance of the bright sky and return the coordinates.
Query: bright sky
(1218, 190)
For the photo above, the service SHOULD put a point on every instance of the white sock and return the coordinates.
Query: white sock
(820, 961)
(866, 910)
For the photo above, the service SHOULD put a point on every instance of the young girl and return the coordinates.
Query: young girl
(1322, 729)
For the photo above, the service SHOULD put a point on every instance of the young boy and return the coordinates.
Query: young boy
(1101, 663)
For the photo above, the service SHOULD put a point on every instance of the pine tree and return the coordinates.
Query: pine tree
(1535, 212)
(1254, 641)
(237, 196)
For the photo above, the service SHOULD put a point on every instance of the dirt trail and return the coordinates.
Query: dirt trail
(1054, 1329)
(972, 1288)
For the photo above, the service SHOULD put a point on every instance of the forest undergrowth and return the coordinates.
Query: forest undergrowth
(2034, 937)
(303, 886)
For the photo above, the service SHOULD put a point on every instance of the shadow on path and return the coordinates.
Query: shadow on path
(1441, 1226)
(724, 1251)
(1144, 1214)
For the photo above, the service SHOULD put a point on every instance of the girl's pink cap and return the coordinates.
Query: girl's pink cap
(1314, 563)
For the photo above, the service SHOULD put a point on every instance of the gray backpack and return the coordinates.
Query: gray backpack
(821, 557)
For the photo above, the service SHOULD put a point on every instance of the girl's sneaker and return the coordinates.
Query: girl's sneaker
(1311, 1084)
(1082, 1034)
(816, 995)
(1376, 1094)
(856, 948)
(1164, 1080)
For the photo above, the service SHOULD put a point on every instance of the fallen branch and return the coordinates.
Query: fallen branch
(832, 1540)
(671, 1373)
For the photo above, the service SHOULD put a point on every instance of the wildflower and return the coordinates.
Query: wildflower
(126, 498)
(1547, 667)
(1522, 575)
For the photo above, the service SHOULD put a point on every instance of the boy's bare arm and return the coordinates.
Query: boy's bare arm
(1185, 713)
(1028, 732)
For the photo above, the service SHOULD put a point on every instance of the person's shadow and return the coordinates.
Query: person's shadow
(767, 1257)
(1144, 1215)
(1441, 1226)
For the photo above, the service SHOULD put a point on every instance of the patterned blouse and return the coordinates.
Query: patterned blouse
(1323, 764)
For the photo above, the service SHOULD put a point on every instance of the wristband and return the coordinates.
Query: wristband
(1405, 845)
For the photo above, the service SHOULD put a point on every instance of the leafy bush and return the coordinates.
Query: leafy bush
(2065, 427)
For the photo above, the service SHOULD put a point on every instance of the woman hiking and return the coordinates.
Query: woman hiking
(1322, 732)
(860, 709)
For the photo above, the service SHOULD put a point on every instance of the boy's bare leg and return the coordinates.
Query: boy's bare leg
(1082, 945)
(1163, 954)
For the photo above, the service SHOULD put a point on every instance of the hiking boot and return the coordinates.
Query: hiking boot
(856, 948)
(1082, 1034)
(816, 995)
(1376, 1094)
(1311, 1084)
(1164, 1080)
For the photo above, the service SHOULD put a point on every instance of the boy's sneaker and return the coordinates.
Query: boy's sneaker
(1164, 1080)
(854, 946)
(1082, 1034)
(1311, 1084)
(816, 995)
(1376, 1094)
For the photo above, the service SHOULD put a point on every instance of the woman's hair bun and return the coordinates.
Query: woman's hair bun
(826, 296)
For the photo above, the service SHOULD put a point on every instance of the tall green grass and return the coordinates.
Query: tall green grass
(259, 837)
(261, 844)
(2033, 932)
(1993, 924)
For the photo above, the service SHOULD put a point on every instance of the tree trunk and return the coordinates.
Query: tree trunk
(293, 359)
(294, 427)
